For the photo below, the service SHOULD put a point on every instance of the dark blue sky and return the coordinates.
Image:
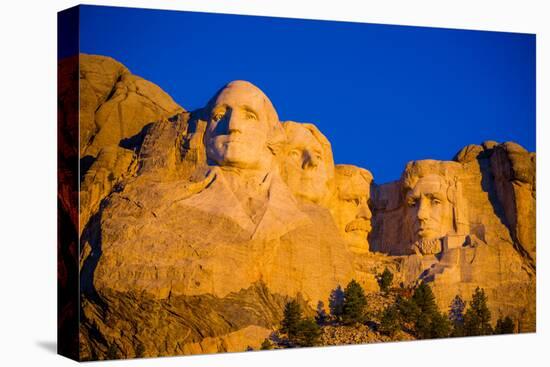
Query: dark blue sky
(383, 95)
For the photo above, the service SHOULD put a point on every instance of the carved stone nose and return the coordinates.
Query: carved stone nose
(234, 123)
(310, 161)
(364, 212)
(423, 209)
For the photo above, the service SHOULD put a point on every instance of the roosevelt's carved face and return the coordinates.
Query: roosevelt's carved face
(352, 212)
(305, 164)
(429, 211)
(238, 127)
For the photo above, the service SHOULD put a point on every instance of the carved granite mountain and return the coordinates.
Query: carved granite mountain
(212, 219)
(473, 242)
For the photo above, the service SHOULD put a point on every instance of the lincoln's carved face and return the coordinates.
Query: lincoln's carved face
(429, 212)
(306, 163)
(238, 129)
(352, 212)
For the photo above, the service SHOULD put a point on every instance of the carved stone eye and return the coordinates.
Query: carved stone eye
(217, 116)
(250, 116)
(412, 202)
(294, 153)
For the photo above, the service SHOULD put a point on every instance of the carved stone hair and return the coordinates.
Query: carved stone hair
(348, 171)
(275, 135)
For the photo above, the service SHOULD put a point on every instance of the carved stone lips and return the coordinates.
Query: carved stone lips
(308, 177)
(425, 230)
(234, 140)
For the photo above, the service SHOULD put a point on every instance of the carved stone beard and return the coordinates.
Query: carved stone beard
(429, 246)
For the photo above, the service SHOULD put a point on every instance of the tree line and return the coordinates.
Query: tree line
(415, 312)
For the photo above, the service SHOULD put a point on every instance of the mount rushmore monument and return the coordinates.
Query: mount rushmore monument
(197, 226)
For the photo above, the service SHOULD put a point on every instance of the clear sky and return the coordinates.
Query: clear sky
(382, 94)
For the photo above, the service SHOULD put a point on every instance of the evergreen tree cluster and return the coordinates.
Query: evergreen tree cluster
(456, 316)
(505, 326)
(348, 306)
(415, 313)
(420, 316)
(355, 302)
(477, 319)
(336, 303)
(300, 331)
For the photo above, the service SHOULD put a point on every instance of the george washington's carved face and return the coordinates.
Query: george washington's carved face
(306, 164)
(429, 212)
(238, 127)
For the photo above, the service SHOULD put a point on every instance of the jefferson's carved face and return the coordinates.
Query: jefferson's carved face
(429, 212)
(237, 129)
(352, 212)
(305, 167)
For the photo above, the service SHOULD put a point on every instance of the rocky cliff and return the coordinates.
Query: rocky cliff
(116, 108)
(196, 227)
(494, 198)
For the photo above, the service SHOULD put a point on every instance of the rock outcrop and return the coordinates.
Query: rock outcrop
(515, 182)
(476, 217)
(116, 109)
(197, 227)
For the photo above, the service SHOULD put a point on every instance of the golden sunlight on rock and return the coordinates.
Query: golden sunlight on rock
(198, 226)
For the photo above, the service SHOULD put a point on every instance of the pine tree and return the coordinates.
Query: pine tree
(456, 315)
(385, 280)
(434, 325)
(505, 326)
(408, 310)
(307, 334)
(354, 303)
(336, 303)
(429, 322)
(321, 316)
(424, 298)
(389, 323)
(440, 326)
(422, 326)
(291, 318)
(477, 319)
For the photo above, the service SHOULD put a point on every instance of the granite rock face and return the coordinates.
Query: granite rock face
(197, 227)
(455, 224)
(514, 170)
(116, 109)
